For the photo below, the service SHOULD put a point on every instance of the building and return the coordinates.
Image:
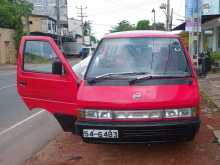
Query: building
(210, 28)
(44, 17)
(41, 23)
(211, 34)
(75, 29)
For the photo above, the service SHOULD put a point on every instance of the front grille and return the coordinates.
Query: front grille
(152, 132)
(144, 132)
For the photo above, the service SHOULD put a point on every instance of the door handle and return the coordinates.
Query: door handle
(23, 83)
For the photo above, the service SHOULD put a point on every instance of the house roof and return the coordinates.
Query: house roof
(205, 18)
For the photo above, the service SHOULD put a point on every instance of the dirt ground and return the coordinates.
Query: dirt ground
(68, 149)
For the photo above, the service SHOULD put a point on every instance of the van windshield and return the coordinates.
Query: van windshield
(156, 56)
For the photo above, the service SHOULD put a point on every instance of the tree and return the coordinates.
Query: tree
(93, 39)
(158, 26)
(87, 31)
(87, 28)
(123, 26)
(11, 13)
(143, 25)
(6, 13)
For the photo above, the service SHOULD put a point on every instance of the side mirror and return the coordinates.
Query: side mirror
(57, 67)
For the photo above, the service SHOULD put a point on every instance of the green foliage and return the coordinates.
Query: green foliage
(87, 28)
(88, 31)
(215, 57)
(35, 59)
(7, 14)
(123, 26)
(143, 25)
(12, 12)
(93, 39)
(18, 37)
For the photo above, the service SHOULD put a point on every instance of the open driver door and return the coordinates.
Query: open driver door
(45, 79)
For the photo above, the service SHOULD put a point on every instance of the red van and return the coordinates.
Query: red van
(138, 87)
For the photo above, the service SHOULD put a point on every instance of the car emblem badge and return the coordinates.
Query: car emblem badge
(137, 96)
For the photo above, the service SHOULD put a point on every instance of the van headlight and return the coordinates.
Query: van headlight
(137, 114)
(96, 114)
(180, 113)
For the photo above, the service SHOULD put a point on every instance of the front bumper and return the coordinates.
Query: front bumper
(144, 132)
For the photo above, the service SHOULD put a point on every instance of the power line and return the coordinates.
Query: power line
(82, 15)
(168, 15)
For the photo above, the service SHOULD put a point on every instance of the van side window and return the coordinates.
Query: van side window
(38, 56)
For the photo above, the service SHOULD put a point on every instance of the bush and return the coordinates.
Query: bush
(215, 57)
(11, 14)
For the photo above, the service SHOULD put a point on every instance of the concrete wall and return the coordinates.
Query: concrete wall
(7, 46)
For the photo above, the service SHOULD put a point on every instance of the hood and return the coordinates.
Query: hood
(138, 97)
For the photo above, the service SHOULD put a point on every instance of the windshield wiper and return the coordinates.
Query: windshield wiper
(148, 77)
(115, 75)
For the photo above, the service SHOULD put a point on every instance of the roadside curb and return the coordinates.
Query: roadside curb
(7, 67)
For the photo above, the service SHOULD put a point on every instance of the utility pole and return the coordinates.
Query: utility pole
(198, 24)
(82, 15)
(195, 21)
(166, 9)
(168, 15)
(171, 20)
(58, 23)
(153, 11)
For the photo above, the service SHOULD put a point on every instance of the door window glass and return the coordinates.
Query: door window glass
(38, 56)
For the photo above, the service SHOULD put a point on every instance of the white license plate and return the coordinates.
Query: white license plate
(96, 133)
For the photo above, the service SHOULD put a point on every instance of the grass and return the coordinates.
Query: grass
(35, 59)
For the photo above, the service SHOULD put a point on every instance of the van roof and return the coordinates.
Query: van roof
(142, 33)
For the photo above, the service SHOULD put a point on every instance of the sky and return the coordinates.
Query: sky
(105, 14)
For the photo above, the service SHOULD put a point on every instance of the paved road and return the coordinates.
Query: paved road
(12, 109)
(22, 132)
